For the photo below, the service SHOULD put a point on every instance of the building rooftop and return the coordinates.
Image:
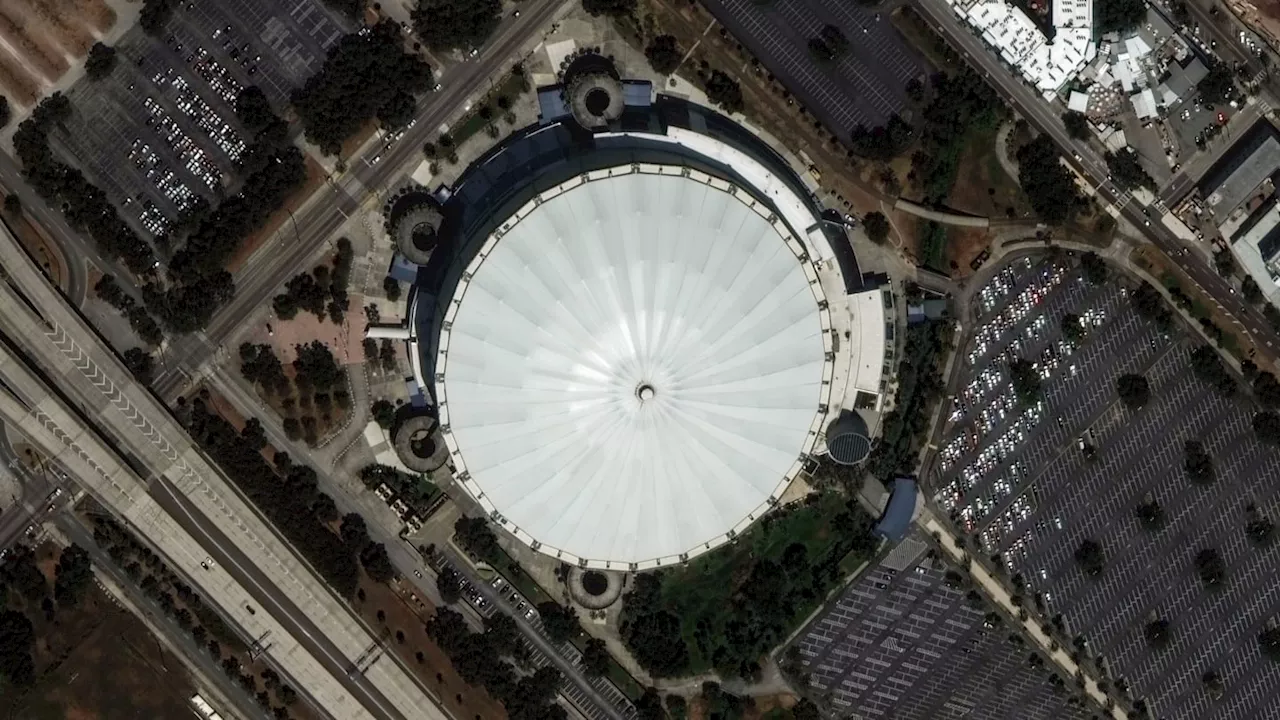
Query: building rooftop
(898, 513)
(1251, 160)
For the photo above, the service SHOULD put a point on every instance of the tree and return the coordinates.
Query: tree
(1050, 187)
(17, 640)
(559, 622)
(1265, 388)
(475, 535)
(259, 364)
(455, 24)
(316, 365)
(1250, 290)
(1259, 528)
(1134, 391)
(876, 225)
(254, 109)
(5, 112)
(376, 562)
(398, 110)
(12, 203)
(387, 355)
(1026, 381)
(1157, 634)
(502, 633)
(100, 61)
(391, 287)
(1218, 86)
(1127, 172)
(1224, 262)
(1150, 515)
(1118, 15)
(1090, 557)
(829, 45)
(1072, 327)
(1269, 643)
(1213, 683)
(595, 657)
(1207, 365)
(155, 15)
(1266, 427)
(724, 91)
(141, 364)
(883, 142)
(1095, 268)
(1210, 568)
(664, 54)
(1149, 305)
(615, 8)
(1197, 463)
(366, 75)
(384, 413)
(1077, 124)
(449, 584)
(72, 576)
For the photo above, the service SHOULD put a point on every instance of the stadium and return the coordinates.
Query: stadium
(633, 324)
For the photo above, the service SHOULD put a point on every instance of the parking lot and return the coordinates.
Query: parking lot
(161, 131)
(1033, 483)
(864, 87)
(900, 643)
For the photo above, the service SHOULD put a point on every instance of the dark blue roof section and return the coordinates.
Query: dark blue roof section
(637, 93)
(402, 270)
(551, 105)
(896, 520)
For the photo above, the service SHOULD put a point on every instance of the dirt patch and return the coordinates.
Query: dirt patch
(982, 187)
(21, 89)
(61, 27)
(97, 661)
(406, 612)
(963, 246)
(41, 248)
(314, 178)
(24, 36)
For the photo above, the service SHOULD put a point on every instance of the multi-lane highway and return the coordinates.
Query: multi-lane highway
(1046, 118)
(142, 466)
(330, 207)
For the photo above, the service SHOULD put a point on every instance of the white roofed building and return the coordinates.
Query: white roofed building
(1046, 64)
(635, 339)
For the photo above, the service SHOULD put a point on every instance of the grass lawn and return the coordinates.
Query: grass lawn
(703, 593)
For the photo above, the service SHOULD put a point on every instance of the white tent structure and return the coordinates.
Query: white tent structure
(634, 365)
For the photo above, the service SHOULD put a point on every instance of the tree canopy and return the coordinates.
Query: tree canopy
(365, 75)
(883, 142)
(455, 24)
(1077, 124)
(1090, 557)
(1197, 463)
(1116, 15)
(1157, 633)
(876, 225)
(664, 54)
(1127, 172)
(1207, 366)
(616, 8)
(1049, 186)
(17, 641)
(100, 61)
(1026, 380)
(1217, 86)
(1134, 391)
(1210, 568)
(73, 574)
(724, 91)
(559, 622)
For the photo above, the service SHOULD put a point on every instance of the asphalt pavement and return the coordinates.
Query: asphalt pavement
(1046, 118)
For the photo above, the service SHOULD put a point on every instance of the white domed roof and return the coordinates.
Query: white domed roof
(634, 367)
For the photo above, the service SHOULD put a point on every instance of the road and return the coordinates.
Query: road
(21, 512)
(1046, 118)
(330, 207)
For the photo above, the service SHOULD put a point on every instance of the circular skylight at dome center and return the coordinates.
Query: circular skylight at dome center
(635, 367)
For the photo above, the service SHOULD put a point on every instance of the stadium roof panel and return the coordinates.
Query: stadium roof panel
(635, 365)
